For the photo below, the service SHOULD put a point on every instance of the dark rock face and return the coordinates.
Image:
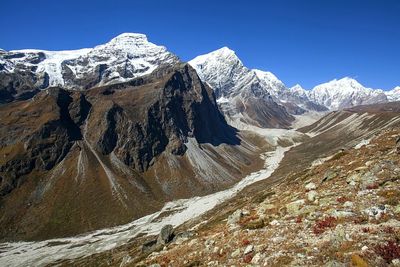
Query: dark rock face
(49, 143)
(23, 82)
(20, 85)
(182, 107)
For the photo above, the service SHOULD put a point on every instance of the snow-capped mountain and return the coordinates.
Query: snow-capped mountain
(394, 94)
(345, 93)
(224, 71)
(234, 83)
(244, 95)
(126, 56)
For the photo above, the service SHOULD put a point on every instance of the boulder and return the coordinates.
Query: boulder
(149, 246)
(248, 249)
(294, 207)
(311, 186)
(312, 195)
(166, 235)
(368, 180)
(329, 175)
(235, 217)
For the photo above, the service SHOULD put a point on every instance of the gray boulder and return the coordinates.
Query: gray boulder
(166, 235)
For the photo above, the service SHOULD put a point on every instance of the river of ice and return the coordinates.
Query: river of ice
(180, 211)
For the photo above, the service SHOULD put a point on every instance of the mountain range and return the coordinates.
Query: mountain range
(131, 55)
(236, 87)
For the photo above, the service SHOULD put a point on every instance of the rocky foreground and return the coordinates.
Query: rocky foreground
(341, 211)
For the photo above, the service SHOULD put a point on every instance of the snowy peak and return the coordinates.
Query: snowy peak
(271, 82)
(223, 57)
(224, 52)
(225, 72)
(222, 69)
(299, 90)
(394, 94)
(130, 42)
(130, 37)
(344, 93)
(344, 84)
(297, 87)
(266, 75)
(127, 56)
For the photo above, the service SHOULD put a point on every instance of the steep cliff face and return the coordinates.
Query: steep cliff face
(75, 161)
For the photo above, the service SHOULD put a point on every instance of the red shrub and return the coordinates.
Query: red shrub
(299, 219)
(389, 230)
(342, 199)
(365, 230)
(388, 251)
(372, 186)
(245, 242)
(322, 225)
(248, 257)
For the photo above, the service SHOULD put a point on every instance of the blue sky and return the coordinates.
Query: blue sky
(301, 41)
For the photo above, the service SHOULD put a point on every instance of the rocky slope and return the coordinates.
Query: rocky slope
(303, 214)
(126, 56)
(74, 161)
(310, 219)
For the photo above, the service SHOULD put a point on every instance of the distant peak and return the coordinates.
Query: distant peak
(297, 87)
(265, 74)
(222, 55)
(348, 81)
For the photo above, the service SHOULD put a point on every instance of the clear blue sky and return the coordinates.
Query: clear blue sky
(301, 41)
